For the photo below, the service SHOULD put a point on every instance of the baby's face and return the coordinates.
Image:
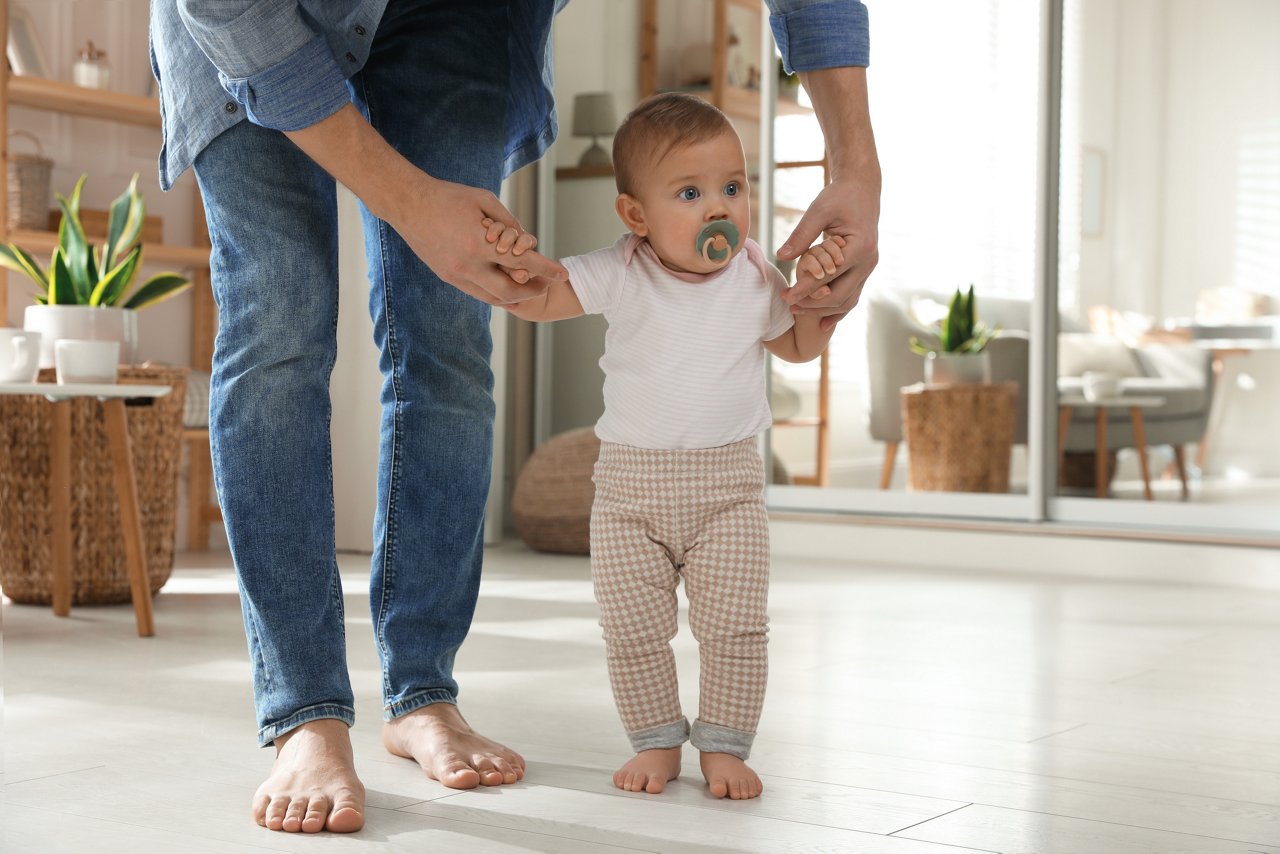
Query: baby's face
(691, 187)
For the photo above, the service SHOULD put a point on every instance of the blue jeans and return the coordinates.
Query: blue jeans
(434, 87)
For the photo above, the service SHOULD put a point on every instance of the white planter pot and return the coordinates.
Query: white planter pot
(957, 368)
(83, 322)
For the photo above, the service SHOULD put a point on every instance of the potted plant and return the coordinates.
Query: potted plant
(87, 291)
(959, 356)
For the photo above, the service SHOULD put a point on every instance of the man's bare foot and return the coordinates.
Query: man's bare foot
(449, 750)
(729, 776)
(649, 770)
(313, 784)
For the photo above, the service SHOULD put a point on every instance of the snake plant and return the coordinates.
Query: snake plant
(960, 331)
(81, 273)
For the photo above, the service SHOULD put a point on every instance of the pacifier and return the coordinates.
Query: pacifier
(716, 241)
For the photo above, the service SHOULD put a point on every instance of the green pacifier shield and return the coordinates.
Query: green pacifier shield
(707, 235)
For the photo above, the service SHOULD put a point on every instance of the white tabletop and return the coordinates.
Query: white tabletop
(1120, 400)
(103, 391)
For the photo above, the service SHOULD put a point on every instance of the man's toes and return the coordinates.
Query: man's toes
(316, 813)
(347, 815)
(275, 812)
(293, 815)
(258, 809)
(489, 775)
(457, 774)
(506, 769)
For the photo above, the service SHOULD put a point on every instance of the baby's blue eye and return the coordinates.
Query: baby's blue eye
(731, 189)
(690, 194)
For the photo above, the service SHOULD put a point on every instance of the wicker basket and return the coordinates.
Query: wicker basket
(99, 572)
(552, 501)
(959, 438)
(29, 189)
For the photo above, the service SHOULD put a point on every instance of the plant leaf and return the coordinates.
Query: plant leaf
(20, 261)
(75, 195)
(117, 280)
(61, 289)
(75, 249)
(159, 287)
(123, 223)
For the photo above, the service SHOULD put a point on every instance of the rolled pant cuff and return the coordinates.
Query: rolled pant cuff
(660, 737)
(413, 702)
(713, 738)
(321, 711)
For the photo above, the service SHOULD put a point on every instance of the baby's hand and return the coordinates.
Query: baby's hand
(821, 261)
(508, 239)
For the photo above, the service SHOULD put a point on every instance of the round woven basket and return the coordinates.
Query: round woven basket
(29, 188)
(99, 574)
(553, 495)
(959, 438)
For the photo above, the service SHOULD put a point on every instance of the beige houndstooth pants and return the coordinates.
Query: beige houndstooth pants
(660, 516)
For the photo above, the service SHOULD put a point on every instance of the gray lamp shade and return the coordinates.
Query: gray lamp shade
(593, 116)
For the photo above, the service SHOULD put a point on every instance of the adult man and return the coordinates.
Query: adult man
(420, 107)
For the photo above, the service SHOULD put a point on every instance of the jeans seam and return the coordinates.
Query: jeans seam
(388, 531)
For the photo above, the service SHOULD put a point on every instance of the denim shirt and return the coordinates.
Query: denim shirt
(283, 64)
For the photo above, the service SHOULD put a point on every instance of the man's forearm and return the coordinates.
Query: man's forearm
(348, 148)
(839, 98)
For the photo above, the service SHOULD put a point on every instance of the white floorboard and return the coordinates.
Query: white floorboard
(999, 707)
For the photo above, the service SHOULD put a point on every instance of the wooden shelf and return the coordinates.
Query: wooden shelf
(605, 171)
(54, 95)
(744, 103)
(153, 253)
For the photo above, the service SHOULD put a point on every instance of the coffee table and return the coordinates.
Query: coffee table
(1068, 403)
(112, 398)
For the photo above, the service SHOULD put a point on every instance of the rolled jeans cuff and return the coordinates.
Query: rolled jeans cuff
(713, 738)
(660, 737)
(269, 733)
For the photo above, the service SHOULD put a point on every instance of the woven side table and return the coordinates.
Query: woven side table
(959, 437)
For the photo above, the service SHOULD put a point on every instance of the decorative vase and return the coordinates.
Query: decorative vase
(957, 368)
(83, 322)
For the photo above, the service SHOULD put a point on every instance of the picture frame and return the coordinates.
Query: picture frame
(25, 55)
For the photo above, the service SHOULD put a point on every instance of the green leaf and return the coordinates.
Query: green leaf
(117, 280)
(20, 261)
(75, 249)
(61, 289)
(123, 223)
(75, 196)
(159, 287)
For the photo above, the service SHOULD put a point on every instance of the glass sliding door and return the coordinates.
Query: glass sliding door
(956, 106)
(1168, 354)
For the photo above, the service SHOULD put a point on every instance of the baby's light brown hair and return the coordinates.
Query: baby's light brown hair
(658, 126)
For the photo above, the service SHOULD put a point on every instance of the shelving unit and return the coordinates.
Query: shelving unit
(739, 102)
(59, 97)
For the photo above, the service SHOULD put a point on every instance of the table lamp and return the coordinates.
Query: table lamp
(593, 116)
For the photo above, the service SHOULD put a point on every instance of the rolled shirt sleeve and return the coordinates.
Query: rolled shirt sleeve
(823, 34)
(269, 59)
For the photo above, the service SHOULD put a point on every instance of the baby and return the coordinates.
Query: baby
(692, 307)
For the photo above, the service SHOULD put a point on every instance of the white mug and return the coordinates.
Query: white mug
(79, 361)
(19, 355)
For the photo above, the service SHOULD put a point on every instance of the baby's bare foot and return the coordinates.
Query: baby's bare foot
(313, 784)
(449, 750)
(729, 776)
(649, 771)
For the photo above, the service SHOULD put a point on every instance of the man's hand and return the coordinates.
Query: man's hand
(848, 207)
(838, 212)
(436, 218)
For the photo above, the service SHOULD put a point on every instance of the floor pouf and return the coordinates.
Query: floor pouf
(553, 495)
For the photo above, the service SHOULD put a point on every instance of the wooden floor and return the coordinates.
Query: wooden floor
(910, 710)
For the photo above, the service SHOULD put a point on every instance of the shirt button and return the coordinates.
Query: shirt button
(230, 106)
(359, 30)
(351, 57)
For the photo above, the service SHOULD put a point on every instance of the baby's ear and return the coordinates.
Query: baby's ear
(631, 212)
